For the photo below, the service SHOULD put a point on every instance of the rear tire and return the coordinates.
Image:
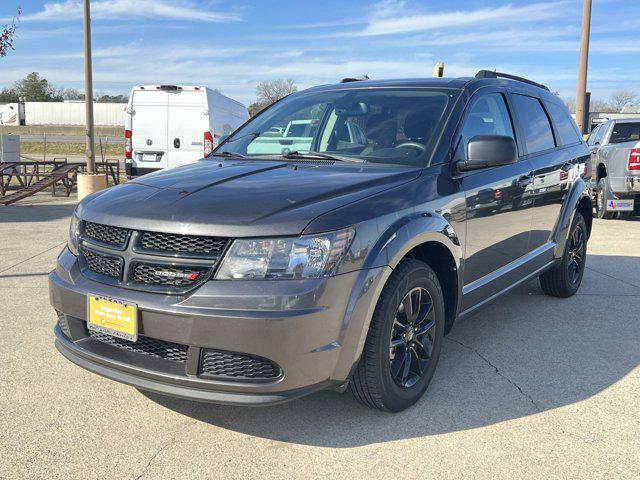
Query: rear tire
(565, 278)
(602, 197)
(398, 361)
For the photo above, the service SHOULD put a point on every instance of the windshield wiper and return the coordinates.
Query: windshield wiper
(227, 154)
(325, 156)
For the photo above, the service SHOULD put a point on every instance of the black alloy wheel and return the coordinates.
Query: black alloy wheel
(412, 337)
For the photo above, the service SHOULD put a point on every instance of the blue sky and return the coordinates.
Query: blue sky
(233, 45)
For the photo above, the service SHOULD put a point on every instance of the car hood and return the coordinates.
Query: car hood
(239, 198)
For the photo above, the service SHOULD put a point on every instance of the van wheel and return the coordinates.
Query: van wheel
(565, 278)
(602, 196)
(404, 340)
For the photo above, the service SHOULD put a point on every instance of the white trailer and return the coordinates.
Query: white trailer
(170, 125)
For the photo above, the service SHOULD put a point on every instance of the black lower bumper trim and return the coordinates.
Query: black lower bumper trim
(67, 348)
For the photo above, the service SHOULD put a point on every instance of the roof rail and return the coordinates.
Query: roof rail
(494, 74)
(355, 79)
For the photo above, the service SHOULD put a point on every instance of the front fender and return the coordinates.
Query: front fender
(392, 246)
(578, 191)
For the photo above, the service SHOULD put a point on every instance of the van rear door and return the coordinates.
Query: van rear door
(149, 128)
(187, 123)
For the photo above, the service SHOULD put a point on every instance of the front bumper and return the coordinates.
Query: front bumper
(312, 329)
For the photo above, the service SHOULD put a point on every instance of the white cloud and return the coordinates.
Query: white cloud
(128, 9)
(390, 17)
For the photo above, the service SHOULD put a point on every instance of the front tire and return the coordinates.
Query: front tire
(404, 340)
(565, 278)
(602, 194)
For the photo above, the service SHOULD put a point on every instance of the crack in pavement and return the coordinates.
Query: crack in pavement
(498, 372)
(32, 257)
(164, 446)
(612, 277)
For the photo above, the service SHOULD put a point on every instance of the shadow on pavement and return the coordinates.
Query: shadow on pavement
(525, 354)
(42, 212)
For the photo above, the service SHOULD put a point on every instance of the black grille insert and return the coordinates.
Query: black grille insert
(169, 243)
(62, 323)
(146, 346)
(107, 234)
(237, 366)
(179, 277)
(103, 264)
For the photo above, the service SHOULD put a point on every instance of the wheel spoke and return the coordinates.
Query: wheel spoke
(406, 367)
(408, 308)
(425, 327)
(398, 363)
(397, 342)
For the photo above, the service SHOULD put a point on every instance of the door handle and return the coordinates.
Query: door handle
(525, 180)
(176, 143)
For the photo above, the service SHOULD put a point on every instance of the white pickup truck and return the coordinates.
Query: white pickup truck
(615, 156)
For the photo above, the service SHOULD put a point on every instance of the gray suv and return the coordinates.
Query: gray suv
(337, 256)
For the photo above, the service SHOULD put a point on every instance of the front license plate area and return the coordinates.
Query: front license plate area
(113, 317)
(620, 205)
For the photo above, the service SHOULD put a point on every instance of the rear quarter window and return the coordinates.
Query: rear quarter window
(625, 132)
(538, 134)
(567, 128)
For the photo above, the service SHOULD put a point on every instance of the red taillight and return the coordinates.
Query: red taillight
(634, 159)
(208, 144)
(127, 144)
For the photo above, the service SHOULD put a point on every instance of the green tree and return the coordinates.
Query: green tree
(113, 99)
(36, 89)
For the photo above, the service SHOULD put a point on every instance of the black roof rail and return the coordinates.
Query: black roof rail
(355, 79)
(494, 74)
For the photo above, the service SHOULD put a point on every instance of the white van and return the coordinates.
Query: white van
(171, 125)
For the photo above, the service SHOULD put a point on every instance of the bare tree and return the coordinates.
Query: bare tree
(622, 98)
(600, 106)
(7, 33)
(570, 103)
(270, 92)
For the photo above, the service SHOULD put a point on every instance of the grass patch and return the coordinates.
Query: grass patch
(69, 148)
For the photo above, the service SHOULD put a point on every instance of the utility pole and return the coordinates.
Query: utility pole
(90, 181)
(582, 68)
(88, 90)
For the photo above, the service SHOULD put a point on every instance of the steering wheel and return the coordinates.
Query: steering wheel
(410, 144)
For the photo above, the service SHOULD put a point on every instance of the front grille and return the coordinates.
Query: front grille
(168, 243)
(237, 366)
(103, 264)
(106, 234)
(167, 275)
(62, 323)
(146, 346)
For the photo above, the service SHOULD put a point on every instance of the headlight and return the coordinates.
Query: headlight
(74, 232)
(285, 258)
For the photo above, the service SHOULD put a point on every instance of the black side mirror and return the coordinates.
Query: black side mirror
(484, 151)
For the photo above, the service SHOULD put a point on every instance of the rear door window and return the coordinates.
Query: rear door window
(567, 129)
(538, 134)
(625, 132)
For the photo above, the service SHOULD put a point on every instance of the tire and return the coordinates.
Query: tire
(623, 215)
(602, 197)
(374, 383)
(561, 281)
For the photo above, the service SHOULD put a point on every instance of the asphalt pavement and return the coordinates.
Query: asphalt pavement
(532, 387)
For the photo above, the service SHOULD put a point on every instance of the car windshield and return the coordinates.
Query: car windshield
(385, 125)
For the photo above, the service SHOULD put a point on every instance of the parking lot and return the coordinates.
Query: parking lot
(532, 386)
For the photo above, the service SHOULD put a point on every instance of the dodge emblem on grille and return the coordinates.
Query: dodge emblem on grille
(171, 274)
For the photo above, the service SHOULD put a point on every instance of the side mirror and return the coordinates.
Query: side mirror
(484, 151)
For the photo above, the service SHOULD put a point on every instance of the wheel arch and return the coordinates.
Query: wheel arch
(578, 200)
(428, 237)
